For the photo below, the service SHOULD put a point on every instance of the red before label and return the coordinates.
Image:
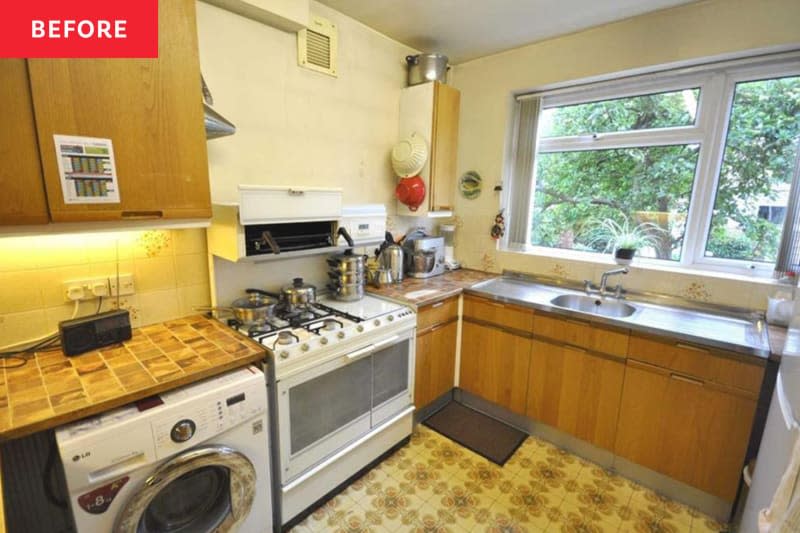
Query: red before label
(98, 500)
(79, 28)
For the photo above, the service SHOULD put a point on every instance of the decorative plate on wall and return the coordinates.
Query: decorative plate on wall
(470, 185)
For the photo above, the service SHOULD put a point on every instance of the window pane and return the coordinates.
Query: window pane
(661, 110)
(756, 170)
(575, 191)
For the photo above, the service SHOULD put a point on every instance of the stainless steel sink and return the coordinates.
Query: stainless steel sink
(594, 305)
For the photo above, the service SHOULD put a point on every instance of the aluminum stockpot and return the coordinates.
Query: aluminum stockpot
(347, 263)
(426, 67)
(347, 293)
(340, 278)
(298, 293)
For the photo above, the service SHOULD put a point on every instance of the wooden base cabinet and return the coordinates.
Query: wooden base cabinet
(435, 363)
(575, 391)
(494, 365)
(688, 429)
(437, 334)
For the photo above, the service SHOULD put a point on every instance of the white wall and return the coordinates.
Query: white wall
(697, 30)
(296, 126)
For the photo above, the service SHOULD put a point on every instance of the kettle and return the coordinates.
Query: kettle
(391, 258)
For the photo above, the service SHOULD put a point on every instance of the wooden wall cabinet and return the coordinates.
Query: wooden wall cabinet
(690, 425)
(495, 352)
(432, 109)
(24, 200)
(437, 332)
(152, 111)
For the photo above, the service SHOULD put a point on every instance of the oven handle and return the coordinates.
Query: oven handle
(358, 354)
(372, 348)
(385, 342)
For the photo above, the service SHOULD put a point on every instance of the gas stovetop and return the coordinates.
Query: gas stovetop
(315, 330)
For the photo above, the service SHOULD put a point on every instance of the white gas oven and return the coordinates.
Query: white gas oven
(342, 385)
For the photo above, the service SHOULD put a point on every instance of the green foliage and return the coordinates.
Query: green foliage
(614, 235)
(654, 184)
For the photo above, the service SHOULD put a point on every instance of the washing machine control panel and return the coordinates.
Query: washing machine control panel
(178, 429)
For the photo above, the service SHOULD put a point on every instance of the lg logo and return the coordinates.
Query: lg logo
(78, 457)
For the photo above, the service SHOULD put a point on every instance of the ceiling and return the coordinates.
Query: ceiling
(467, 29)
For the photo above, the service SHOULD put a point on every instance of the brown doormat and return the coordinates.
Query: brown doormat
(482, 434)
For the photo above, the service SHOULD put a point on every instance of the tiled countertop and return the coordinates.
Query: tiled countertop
(420, 292)
(52, 389)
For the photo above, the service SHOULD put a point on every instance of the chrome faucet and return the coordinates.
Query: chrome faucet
(590, 288)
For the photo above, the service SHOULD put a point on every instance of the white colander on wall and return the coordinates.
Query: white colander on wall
(409, 155)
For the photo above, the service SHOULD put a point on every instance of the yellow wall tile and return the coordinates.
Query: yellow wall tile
(19, 291)
(189, 241)
(33, 270)
(154, 273)
(191, 269)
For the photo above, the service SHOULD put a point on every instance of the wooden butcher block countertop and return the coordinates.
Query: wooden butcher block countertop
(53, 389)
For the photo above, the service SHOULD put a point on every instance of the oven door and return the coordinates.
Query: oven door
(325, 408)
(392, 376)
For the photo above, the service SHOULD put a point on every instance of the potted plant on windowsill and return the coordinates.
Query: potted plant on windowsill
(623, 238)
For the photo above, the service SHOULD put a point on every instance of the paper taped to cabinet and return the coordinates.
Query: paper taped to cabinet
(87, 170)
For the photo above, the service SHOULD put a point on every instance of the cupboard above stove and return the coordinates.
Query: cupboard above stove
(150, 109)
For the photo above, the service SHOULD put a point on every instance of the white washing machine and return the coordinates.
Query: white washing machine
(195, 459)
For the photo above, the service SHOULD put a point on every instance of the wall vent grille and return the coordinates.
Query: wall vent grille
(316, 46)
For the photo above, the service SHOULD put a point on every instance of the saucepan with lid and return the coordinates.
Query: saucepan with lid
(255, 308)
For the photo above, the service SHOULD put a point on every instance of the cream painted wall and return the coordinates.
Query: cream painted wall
(296, 126)
(704, 29)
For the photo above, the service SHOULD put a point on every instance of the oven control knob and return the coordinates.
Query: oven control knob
(377, 322)
(323, 340)
(360, 328)
(304, 347)
(182, 431)
(340, 334)
(284, 354)
(390, 318)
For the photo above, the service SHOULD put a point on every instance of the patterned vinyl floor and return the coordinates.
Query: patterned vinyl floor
(434, 485)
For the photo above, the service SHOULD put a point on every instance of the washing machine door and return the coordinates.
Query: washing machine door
(205, 489)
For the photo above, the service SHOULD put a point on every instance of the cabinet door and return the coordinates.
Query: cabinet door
(436, 362)
(152, 111)
(575, 391)
(23, 201)
(494, 365)
(689, 430)
(444, 146)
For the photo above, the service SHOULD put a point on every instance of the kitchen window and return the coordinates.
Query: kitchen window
(704, 158)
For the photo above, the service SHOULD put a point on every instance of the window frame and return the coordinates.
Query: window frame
(717, 83)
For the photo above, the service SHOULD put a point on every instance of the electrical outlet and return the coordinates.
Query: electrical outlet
(91, 288)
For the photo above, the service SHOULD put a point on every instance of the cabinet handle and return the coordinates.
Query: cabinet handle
(574, 348)
(142, 214)
(686, 379)
(690, 347)
(437, 326)
(575, 322)
(437, 304)
(495, 304)
(296, 192)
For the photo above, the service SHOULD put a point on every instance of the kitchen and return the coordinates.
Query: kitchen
(301, 128)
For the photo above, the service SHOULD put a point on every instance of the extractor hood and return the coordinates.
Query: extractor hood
(216, 124)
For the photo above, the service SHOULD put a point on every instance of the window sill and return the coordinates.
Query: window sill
(760, 277)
